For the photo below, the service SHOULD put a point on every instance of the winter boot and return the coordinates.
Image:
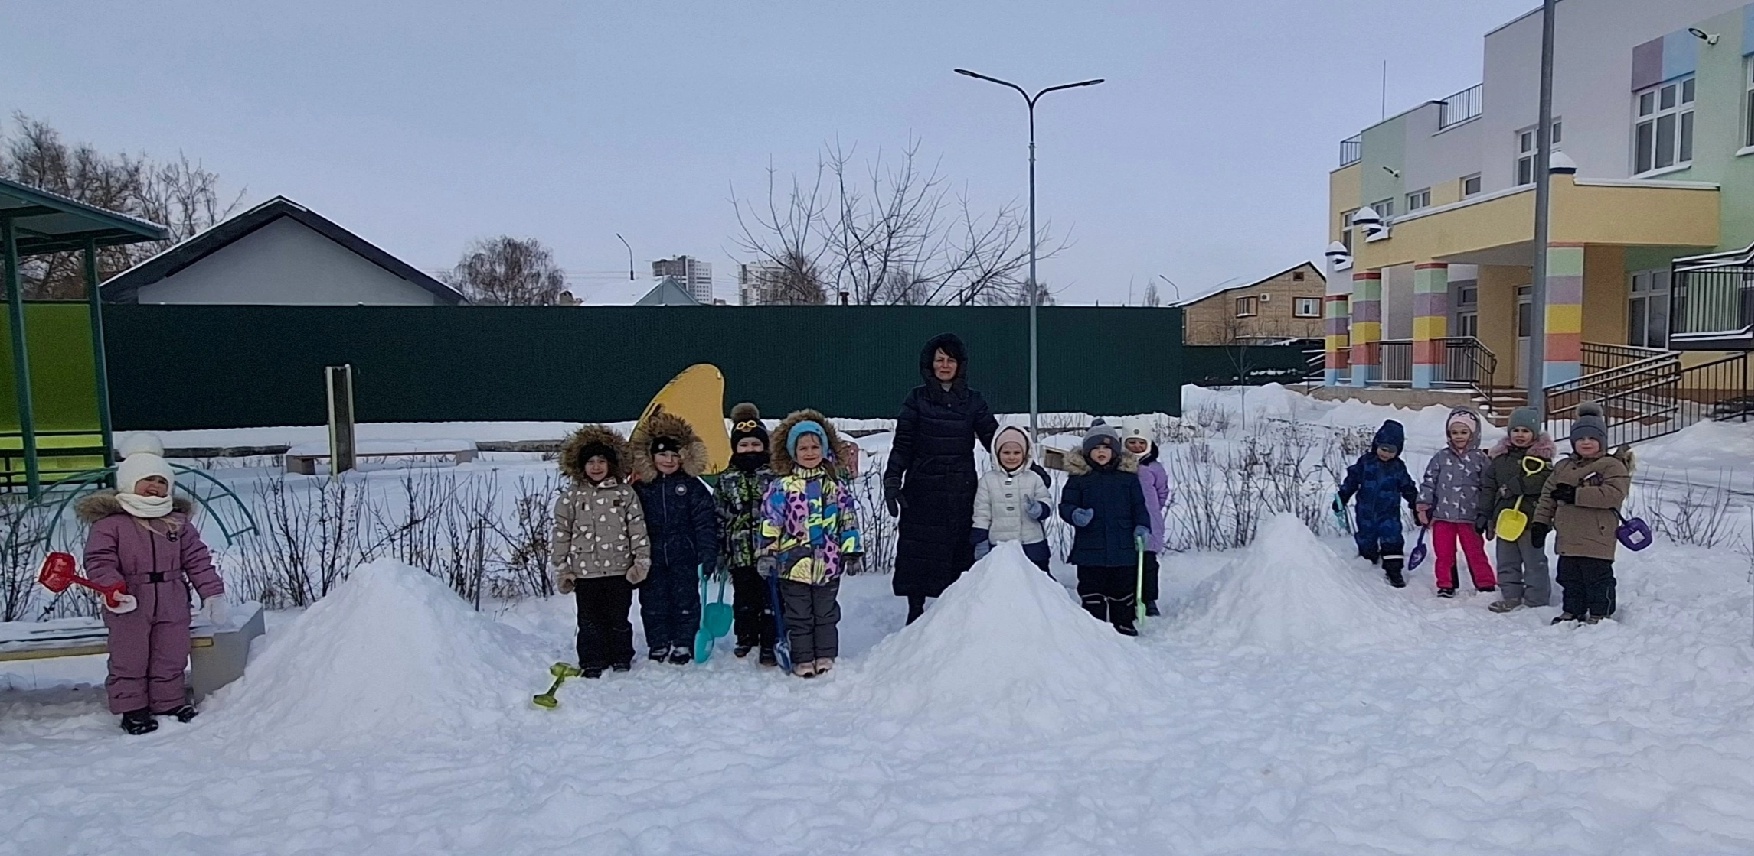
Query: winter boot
(139, 722)
(1592, 619)
(681, 656)
(824, 665)
(767, 657)
(1487, 589)
(1563, 617)
(1151, 610)
(1503, 606)
(804, 670)
(183, 713)
(741, 650)
(623, 666)
(593, 671)
(1391, 566)
(1447, 592)
(659, 654)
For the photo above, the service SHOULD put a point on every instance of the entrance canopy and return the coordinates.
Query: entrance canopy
(44, 222)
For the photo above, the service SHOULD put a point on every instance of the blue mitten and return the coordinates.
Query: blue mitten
(1142, 534)
(1081, 517)
(1038, 510)
(981, 549)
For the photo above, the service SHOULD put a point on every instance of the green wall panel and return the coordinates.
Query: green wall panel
(63, 382)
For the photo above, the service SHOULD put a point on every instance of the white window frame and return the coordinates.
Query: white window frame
(1526, 146)
(1346, 228)
(1418, 199)
(1475, 181)
(1298, 304)
(1667, 104)
(1253, 304)
(1384, 208)
(1748, 108)
(1468, 324)
(1643, 289)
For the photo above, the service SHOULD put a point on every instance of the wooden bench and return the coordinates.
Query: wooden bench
(302, 460)
(216, 658)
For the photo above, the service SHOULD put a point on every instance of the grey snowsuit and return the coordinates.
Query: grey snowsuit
(1522, 566)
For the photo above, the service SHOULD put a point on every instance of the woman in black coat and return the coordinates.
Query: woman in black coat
(930, 481)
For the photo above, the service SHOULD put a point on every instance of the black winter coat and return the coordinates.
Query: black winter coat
(681, 520)
(933, 460)
(1116, 496)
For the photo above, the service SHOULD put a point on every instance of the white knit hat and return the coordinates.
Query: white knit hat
(142, 457)
(1137, 427)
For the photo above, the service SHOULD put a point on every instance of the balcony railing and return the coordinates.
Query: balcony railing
(1464, 106)
(1351, 151)
(1712, 304)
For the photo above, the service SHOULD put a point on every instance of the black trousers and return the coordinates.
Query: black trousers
(812, 619)
(1107, 593)
(1588, 584)
(753, 610)
(605, 634)
(1150, 577)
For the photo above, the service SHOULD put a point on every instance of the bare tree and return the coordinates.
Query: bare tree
(507, 271)
(889, 233)
(1151, 299)
(179, 194)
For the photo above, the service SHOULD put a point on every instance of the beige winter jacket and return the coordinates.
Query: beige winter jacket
(599, 531)
(1585, 528)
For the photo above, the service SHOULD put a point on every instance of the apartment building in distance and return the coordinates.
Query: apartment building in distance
(1432, 223)
(694, 274)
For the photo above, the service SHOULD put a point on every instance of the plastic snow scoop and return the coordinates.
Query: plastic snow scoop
(715, 620)
(1341, 519)
(1513, 521)
(560, 671)
(1139, 584)
(1632, 533)
(1417, 557)
(782, 641)
(60, 572)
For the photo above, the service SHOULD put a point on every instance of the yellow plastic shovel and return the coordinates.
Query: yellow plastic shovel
(1513, 520)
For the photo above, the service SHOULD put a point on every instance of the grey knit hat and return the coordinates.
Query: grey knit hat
(1589, 424)
(1526, 417)
(1099, 432)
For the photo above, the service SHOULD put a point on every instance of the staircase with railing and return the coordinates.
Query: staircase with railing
(1651, 394)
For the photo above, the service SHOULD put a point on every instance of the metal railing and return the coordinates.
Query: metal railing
(1601, 357)
(1464, 106)
(1397, 362)
(1351, 151)
(1654, 398)
(1466, 364)
(1712, 303)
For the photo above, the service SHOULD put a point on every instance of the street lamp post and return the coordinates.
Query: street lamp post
(1034, 290)
(629, 256)
(1535, 372)
(1178, 289)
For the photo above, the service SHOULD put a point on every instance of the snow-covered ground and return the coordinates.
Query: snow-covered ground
(1289, 702)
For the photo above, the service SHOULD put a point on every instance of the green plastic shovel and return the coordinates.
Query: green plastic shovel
(716, 618)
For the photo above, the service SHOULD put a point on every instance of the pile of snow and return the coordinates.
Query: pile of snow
(1289, 592)
(392, 653)
(1007, 647)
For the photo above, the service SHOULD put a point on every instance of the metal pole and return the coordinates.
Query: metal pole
(629, 256)
(1535, 372)
(20, 358)
(1034, 300)
(99, 359)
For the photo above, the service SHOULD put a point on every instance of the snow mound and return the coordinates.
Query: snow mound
(1289, 592)
(1007, 647)
(390, 653)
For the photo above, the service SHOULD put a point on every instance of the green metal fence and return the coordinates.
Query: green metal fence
(177, 367)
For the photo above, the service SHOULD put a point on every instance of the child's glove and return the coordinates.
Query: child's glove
(215, 609)
(892, 497)
(638, 573)
(1141, 534)
(1565, 493)
(1538, 535)
(568, 581)
(1422, 514)
(125, 603)
(767, 566)
(1081, 517)
(1480, 526)
(982, 548)
(1038, 510)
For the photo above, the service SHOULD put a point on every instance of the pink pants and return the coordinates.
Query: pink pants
(1444, 535)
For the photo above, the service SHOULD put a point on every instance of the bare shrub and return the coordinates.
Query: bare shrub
(1692, 513)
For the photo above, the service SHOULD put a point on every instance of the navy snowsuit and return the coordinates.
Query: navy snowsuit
(1381, 486)
(683, 523)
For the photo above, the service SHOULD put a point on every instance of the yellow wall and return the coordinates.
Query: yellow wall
(1446, 192)
(1604, 294)
(1498, 287)
(1344, 192)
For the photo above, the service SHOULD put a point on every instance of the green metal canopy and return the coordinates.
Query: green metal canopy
(33, 222)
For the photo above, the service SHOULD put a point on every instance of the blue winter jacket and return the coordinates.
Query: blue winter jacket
(1380, 486)
(1115, 495)
(681, 520)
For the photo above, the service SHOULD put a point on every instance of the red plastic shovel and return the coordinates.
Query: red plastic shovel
(60, 571)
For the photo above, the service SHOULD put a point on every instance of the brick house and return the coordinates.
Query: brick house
(1286, 305)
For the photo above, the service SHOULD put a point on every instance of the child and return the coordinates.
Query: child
(1011, 501)
(600, 551)
(1581, 501)
(1521, 463)
(141, 539)
(740, 492)
(667, 459)
(1449, 502)
(1380, 480)
(1104, 502)
(808, 527)
(1136, 435)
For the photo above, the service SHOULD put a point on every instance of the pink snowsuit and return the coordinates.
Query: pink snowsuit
(159, 561)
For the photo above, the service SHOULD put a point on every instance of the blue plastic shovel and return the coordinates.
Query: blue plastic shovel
(1417, 557)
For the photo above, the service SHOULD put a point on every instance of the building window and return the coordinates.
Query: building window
(1471, 186)
(1662, 132)
(1526, 149)
(1247, 307)
(1468, 325)
(1384, 208)
(1748, 121)
(1297, 276)
(1468, 296)
(1306, 307)
(1647, 310)
(1418, 199)
(1346, 229)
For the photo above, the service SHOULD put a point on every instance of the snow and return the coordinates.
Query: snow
(379, 448)
(391, 654)
(1288, 592)
(1008, 648)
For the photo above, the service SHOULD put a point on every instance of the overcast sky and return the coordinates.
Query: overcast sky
(421, 125)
